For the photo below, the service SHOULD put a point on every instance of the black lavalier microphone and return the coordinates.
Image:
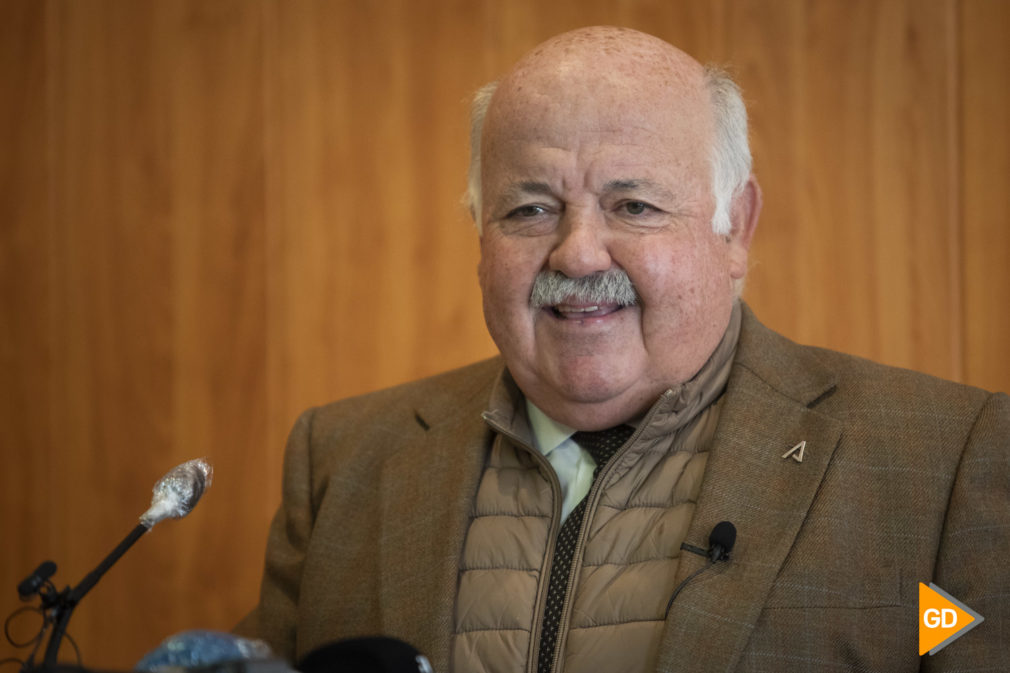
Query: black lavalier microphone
(720, 544)
(721, 541)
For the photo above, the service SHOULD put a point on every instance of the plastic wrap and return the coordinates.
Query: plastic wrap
(177, 493)
(194, 649)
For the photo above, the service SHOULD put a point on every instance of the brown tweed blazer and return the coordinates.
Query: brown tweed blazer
(905, 478)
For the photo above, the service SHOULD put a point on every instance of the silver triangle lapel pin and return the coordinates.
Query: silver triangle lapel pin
(796, 453)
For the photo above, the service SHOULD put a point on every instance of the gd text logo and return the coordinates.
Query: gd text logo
(942, 619)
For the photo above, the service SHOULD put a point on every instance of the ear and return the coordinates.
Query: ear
(744, 218)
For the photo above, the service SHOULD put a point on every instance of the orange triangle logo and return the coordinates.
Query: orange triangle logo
(942, 619)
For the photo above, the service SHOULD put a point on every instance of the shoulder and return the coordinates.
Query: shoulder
(857, 391)
(360, 432)
(434, 399)
(862, 379)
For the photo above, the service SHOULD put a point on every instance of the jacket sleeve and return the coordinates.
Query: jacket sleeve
(973, 562)
(275, 618)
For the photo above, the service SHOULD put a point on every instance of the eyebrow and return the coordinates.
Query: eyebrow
(626, 185)
(528, 187)
(632, 185)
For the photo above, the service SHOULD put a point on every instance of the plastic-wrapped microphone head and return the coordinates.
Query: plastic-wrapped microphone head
(199, 649)
(176, 494)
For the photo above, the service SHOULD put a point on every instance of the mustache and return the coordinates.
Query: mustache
(609, 287)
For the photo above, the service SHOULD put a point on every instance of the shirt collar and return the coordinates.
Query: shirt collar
(547, 432)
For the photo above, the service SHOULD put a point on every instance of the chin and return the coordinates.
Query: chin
(587, 385)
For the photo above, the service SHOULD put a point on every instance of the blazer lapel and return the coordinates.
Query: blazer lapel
(426, 498)
(766, 411)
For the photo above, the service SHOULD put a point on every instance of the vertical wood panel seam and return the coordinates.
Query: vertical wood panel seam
(798, 180)
(52, 319)
(268, 51)
(955, 213)
(265, 205)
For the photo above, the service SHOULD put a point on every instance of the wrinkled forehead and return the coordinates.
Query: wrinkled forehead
(608, 81)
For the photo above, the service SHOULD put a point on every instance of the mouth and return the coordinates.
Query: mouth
(582, 311)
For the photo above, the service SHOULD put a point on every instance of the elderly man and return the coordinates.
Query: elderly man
(538, 512)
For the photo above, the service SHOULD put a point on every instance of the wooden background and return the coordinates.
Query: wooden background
(214, 213)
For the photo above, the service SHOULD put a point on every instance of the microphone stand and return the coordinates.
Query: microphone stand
(64, 602)
(175, 495)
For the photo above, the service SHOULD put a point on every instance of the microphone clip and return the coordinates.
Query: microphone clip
(717, 553)
(720, 544)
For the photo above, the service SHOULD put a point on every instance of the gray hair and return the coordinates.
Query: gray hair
(478, 113)
(731, 158)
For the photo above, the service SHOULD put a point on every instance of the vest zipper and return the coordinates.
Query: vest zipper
(557, 665)
(552, 534)
(592, 500)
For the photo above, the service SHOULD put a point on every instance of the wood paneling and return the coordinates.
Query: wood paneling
(27, 518)
(136, 320)
(372, 259)
(217, 214)
(852, 146)
(110, 331)
(984, 103)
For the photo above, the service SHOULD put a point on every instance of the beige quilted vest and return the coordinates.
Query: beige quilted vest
(638, 513)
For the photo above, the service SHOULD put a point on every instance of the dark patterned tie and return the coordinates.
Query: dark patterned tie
(601, 445)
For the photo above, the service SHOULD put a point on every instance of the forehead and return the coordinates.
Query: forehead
(597, 97)
(611, 131)
(608, 99)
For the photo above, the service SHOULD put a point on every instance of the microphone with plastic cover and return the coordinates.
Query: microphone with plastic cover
(201, 650)
(174, 496)
(215, 652)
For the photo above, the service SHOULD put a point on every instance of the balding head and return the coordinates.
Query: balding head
(603, 66)
(601, 57)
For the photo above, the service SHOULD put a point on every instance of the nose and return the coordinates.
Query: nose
(582, 247)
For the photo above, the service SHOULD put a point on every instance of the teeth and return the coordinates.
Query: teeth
(570, 309)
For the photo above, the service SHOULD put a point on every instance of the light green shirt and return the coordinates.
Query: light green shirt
(573, 464)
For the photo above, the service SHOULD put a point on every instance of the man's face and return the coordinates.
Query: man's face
(586, 180)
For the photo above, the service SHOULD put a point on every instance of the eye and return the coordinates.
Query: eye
(635, 207)
(526, 211)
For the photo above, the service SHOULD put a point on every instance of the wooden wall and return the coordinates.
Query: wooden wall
(214, 213)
